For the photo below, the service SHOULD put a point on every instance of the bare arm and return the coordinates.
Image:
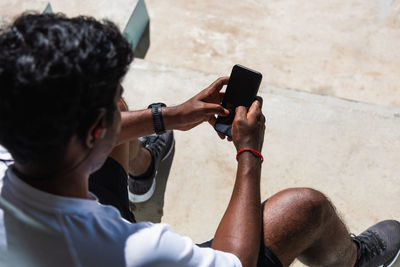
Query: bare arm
(239, 231)
(202, 107)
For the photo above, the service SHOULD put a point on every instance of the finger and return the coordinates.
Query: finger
(216, 109)
(255, 112)
(218, 84)
(263, 119)
(212, 120)
(255, 107)
(222, 136)
(229, 139)
(259, 98)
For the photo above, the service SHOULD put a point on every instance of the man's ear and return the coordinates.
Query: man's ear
(97, 128)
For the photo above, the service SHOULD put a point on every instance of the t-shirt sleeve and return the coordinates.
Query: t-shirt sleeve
(157, 245)
(5, 160)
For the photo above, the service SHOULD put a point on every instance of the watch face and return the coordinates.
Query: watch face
(156, 104)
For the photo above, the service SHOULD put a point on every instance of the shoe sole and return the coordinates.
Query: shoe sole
(394, 260)
(143, 198)
(146, 196)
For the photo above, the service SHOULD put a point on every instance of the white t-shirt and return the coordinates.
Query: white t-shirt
(5, 160)
(41, 229)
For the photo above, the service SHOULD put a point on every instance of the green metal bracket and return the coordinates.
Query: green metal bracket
(137, 30)
(48, 9)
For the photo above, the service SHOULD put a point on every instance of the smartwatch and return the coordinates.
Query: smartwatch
(157, 117)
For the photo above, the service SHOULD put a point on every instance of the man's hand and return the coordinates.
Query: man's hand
(202, 107)
(248, 127)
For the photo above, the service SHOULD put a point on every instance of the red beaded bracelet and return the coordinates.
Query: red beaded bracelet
(255, 153)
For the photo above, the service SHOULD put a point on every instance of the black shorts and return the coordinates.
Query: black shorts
(109, 184)
(266, 258)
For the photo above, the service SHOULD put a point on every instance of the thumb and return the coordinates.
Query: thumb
(241, 113)
(256, 106)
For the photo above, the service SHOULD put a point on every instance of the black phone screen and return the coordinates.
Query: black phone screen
(241, 91)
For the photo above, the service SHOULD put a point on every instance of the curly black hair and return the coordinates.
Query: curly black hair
(55, 75)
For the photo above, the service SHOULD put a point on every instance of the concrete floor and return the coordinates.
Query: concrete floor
(348, 150)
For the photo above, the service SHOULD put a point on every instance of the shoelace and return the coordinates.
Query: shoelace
(153, 143)
(370, 245)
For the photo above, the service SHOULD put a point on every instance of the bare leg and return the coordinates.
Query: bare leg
(120, 153)
(132, 156)
(139, 158)
(301, 223)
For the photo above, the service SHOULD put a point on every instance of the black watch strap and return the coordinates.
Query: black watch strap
(157, 117)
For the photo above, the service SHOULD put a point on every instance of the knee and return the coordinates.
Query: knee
(122, 105)
(307, 206)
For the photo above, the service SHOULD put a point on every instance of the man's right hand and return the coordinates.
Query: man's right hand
(248, 128)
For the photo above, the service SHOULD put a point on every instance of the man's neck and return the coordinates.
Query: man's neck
(73, 184)
(67, 176)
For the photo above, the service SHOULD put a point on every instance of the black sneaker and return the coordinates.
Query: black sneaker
(160, 147)
(379, 245)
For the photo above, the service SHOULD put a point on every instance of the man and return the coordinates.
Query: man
(60, 97)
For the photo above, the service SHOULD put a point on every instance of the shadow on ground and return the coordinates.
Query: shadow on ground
(152, 210)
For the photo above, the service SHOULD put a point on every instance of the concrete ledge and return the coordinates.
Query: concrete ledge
(117, 11)
(130, 16)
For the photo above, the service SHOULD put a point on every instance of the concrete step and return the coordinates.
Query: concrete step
(341, 48)
(348, 150)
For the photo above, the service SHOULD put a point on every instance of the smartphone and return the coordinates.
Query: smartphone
(241, 91)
